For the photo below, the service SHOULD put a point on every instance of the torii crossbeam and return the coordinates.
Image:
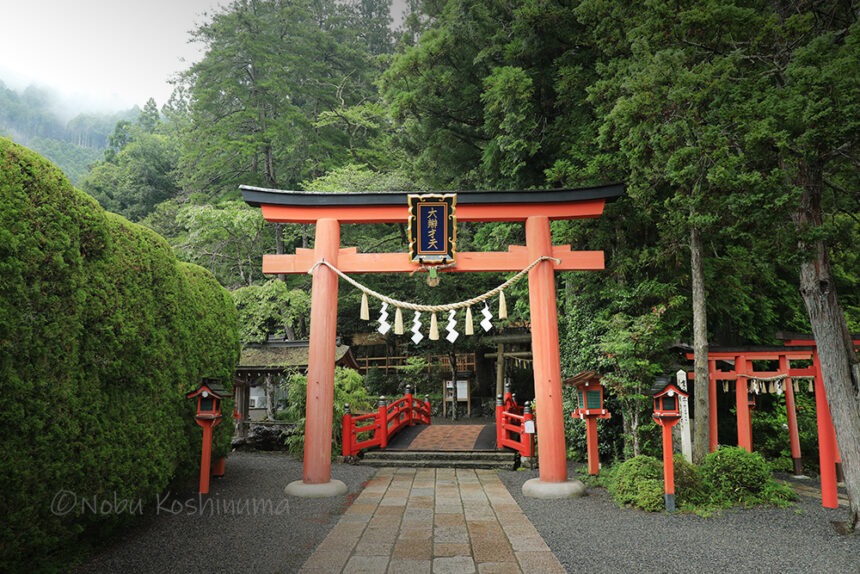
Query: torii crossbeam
(329, 210)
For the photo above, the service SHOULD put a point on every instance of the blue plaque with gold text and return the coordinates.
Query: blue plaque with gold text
(432, 227)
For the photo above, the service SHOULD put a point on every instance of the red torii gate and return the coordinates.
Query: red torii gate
(329, 210)
(797, 347)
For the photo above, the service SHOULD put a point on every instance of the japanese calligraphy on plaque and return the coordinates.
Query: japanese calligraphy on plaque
(432, 227)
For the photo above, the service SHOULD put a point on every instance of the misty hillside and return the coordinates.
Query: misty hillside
(34, 118)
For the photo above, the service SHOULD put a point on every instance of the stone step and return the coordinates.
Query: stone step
(441, 459)
(441, 464)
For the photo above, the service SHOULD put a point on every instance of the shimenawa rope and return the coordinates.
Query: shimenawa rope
(432, 308)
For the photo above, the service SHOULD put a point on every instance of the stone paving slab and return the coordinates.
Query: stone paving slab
(434, 521)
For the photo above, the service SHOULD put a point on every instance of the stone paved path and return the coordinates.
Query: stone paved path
(440, 521)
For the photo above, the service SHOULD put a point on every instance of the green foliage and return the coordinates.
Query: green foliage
(140, 171)
(735, 474)
(32, 118)
(770, 430)
(229, 238)
(258, 100)
(73, 159)
(269, 309)
(729, 476)
(634, 480)
(349, 389)
(689, 486)
(102, 333)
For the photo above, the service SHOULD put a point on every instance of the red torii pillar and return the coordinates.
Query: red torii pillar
(535, 208)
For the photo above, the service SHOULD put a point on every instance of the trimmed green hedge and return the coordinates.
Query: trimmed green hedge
(102, 332)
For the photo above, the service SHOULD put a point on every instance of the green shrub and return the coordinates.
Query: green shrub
(102, 333)
(778, 494)
(627, 477)
(729, 476)
(734, 474)
(689, 487)
(650, 495)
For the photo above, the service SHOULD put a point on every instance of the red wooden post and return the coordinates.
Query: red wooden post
(409, 412)
(552, 459)
(320, 400)
(712, 405)
(826, 440)
(791, 412)
(591, 441)
(347, 433)
(668, 464)
(382, 422)
(218, 467)
(206, 457)
(529, 442)
(500, 421)
(743, 408)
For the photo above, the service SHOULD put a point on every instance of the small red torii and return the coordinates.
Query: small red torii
(796, 347)
(329, 210)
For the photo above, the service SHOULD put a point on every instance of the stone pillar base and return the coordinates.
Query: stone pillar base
(536, 488)
(321, 490)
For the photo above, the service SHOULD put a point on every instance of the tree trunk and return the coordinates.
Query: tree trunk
(270, 402)
(701, 427)
(830, 329)
(630, 422)
(634, 429)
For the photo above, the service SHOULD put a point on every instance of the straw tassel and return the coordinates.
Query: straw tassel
(796, 386)
(398, 322)
(725, 386)
(503, 306)
(772, 389)
(809, 389)
(434, 328)
(470, 328)
(365, 310)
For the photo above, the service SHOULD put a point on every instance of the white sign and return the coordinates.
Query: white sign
(529, 427)
(686, 439)
(462, 390)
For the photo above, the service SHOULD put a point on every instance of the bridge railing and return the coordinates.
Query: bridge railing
(511, 425)
(387, 421)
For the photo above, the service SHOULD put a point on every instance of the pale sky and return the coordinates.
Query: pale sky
(103, 54)
(110, 53)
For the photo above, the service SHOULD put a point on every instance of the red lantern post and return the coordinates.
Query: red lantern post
(667, 413)
(589, 392)
(209, 396)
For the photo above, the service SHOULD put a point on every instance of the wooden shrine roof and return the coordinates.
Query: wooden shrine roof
(281, 355)
(257, 196)
(581, 378)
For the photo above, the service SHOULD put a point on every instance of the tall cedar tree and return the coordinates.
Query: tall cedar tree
(747, 110)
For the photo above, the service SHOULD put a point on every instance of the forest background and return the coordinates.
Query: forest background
(733, 124)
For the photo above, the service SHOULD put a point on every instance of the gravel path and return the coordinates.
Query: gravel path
(592, 534)
(589, 534)
(278, 537)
